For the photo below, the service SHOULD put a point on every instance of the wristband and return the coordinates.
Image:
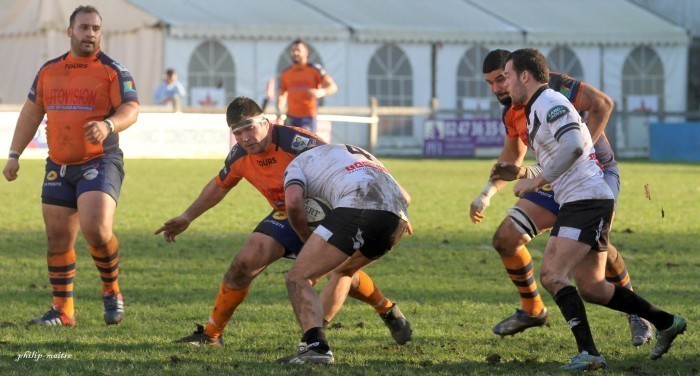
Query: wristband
(13, 155)
(489, 190)
(110, 125)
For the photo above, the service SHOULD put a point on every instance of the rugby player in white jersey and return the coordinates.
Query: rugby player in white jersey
(578, 240)
(367, 219)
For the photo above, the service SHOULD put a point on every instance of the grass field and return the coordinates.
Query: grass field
(448, 280)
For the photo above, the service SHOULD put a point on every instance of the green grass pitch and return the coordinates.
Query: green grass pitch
(448, 280)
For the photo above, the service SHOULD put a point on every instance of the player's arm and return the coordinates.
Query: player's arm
(281, 102)
(571, 147)
(125, 115)
(599, 107)
(28, 122)
(513, 153)
(328, 87)
(294, 202)
(210, 196)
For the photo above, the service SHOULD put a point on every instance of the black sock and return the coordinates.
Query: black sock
(315, 339)
(629, 302)
(574, 312)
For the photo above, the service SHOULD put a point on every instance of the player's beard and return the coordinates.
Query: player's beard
(505, 100)
(85, 47)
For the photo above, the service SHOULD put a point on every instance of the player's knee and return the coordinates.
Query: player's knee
(98, 237)
(523, 224)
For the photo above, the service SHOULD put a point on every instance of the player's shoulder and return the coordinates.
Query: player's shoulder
(236, 153)
(317, 67)
(54, 61)
(565, 85)
(112, 64)
(554, 104)
(294, 140)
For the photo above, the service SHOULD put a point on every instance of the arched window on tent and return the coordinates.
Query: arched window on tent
(211, 65)
(390, 80)
(642, 93)
(473, 93)
(564, 60)
(285, 61)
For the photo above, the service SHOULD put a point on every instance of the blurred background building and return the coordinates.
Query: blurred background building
(645, 54)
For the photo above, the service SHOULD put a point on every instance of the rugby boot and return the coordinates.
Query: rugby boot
(664, 338)
(54, 317)
(585, 362)
(306, 354)
(199, 338)
(398, 325)
(640, 329)
(520, 321)
(114, 307)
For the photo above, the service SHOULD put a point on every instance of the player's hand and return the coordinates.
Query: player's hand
(409, 228)
(316, 93)
(173, 227)
(505, 171)
(11, 169)
(96, 132)
(476, 209)
(525, 186)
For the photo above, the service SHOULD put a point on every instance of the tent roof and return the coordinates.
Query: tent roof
(244, 19)
(590, 22)
(29, 17)
(418, 21)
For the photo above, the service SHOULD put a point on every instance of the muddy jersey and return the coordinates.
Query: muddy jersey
(346, 176)
(515, 121)
(265, 171)
(296, 81)
(74, 91)
(549, 116)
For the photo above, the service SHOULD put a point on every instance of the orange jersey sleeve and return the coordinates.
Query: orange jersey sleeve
(296, 81)
(265, 171)
(74, 91)
(515, 122)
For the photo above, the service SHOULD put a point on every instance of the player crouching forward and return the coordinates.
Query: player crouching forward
(368, 218)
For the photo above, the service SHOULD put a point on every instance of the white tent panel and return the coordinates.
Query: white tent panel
(259, 19)
(590, 22)
(418, 21)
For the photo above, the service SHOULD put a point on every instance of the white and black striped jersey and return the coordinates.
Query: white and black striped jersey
(346, 176)
(549, 116)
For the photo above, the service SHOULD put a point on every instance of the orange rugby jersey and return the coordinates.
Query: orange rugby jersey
(295, 81)
(74, 91)
(265, 171)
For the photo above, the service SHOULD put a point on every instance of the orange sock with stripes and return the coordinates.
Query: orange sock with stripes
(226, 303)
(61, 274)
(367, 292)
(616, 270)
(519, 267)
(106, 260)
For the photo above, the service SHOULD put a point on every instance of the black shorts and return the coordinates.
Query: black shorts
(372, 232)
(586, 221)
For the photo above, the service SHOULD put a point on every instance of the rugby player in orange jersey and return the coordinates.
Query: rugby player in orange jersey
(536, 212)
(301, 85)
(88, 98)
(262, 153)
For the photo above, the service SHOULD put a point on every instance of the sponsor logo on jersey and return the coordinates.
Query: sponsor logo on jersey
(300, 143)
(52, 175)
(76, 65)
(266, 162)
(358, 165)
(129, 87)
(556, 112)
(547, 187)
(70, 99)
